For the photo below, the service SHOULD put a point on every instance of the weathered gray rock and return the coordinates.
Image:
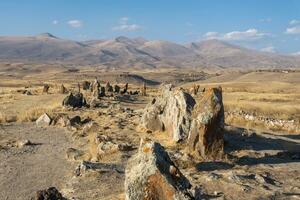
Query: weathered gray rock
(43, 120)
(206, 132)
(151, 174)
(170, 112)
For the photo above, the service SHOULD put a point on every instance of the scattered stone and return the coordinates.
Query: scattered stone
(49, 194)
(27, 92)
(151, 174)
(46, 88)
(75, 101)
(63, 121)
(74, 154)
(43, 120)
(23, 143)
(206, 134)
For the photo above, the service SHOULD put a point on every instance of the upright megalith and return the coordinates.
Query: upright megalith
(151, 174)
(143, 89)
(63, 89)
(206, 132)
(171, 112)
(76, 101)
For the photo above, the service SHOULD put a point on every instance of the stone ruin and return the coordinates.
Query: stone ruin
(117, 89)
(199, 123)
(151, 174)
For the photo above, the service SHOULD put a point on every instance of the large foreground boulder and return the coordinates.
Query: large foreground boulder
(171, 112)
(151, 174)
(76, 101)
(206, 132)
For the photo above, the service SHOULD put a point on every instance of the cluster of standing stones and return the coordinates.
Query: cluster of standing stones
(77, 99)
(196, 123)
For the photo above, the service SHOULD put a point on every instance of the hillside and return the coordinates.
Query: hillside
(139, 53)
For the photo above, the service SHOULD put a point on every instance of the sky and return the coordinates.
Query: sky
(265, 25)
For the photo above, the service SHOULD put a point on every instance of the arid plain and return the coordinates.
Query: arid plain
(84, 151)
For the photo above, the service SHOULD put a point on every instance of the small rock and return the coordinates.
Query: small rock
(23, 143)
(43, 120)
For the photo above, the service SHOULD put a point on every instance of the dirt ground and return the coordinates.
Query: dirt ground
(25, 170)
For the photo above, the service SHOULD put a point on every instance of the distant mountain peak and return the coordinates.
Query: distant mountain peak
(46, 35)
(122, 39)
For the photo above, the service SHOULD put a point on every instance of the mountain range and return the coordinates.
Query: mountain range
(139, 53)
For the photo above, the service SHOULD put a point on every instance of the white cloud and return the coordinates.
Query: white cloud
(293, 30)
(266, 20)
(269, 49)
(294, 22)
(296, 53)
(75, 23)
(250, 34)
(55, 22)
(124, 25)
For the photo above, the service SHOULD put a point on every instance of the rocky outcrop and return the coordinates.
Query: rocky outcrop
(75, 101)
(151, 174)
(206, 132)
(170, 112)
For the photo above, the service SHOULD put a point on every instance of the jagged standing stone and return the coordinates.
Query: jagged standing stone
(206, 134)
(171, 112)
(62, 90)
(151, 174)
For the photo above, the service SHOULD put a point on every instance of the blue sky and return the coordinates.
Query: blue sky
(267, 25)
